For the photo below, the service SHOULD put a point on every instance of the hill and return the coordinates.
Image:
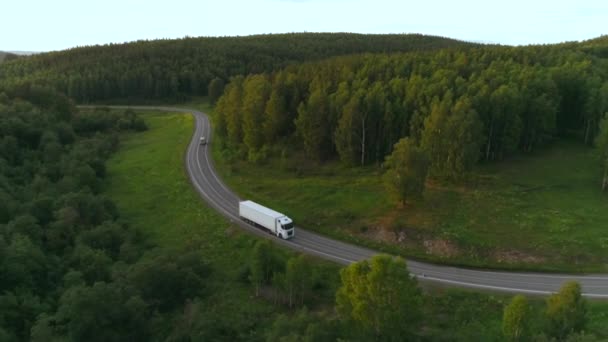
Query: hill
(597, 46)
(175, 69)
(7, 56)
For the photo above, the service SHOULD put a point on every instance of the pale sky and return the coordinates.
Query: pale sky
(44, 25)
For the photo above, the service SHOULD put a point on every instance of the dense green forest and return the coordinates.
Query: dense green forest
(460, 106)
(59, 236)
(70, 268)
(175, 69)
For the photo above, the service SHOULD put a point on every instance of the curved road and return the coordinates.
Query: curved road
(205, 180)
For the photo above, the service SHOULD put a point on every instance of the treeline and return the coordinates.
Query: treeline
(175, 69)
(460, 105)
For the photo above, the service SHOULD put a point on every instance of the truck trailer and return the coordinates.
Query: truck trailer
(268, 219)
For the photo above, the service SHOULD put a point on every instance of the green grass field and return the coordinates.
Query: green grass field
(539, 212)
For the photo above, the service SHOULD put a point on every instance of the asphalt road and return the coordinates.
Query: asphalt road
(208, 184)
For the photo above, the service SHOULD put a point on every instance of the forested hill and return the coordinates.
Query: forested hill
(173, 69)
(597, 46)
(6, 56)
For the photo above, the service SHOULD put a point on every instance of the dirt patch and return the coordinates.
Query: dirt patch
(516, 257)
(380, 234)
(395, 229)
(441, 247)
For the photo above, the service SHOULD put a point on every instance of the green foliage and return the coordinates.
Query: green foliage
(312, 124)
(381, 296)
(109, 237)
(462, 104)
(298, 279)
(103, 120)
(167, 281)
(349, 136)
(263, 264)
(62, 252)
(44, 330)
(18, 310)
(229, 105)
(103, 312)
(215, 89)
(407, 168)
(94, 265)
(582, 337)
(304, 326)
(175, 69)
(601, 143)
(277, 122)
(7, 56)
(452, 138)
(566, 311)
(516, 319)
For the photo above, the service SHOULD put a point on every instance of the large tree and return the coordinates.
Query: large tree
(298, 275)
(349, 136)
(230, 106)
(407, 168)
(256, 92)
(464, 135)
(312, 124)
(263, 265)
(276, 123)
(452, 137)
(382, 297)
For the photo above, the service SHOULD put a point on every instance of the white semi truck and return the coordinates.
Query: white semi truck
(275, 222)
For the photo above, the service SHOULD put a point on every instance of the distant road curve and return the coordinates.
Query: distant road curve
(208, 184)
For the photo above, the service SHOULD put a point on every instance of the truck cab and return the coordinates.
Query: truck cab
(285, 228)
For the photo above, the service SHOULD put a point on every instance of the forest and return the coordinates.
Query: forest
(176, 69)
(59, 235)
(461, 106)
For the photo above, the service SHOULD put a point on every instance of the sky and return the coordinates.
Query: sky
(46, 25)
